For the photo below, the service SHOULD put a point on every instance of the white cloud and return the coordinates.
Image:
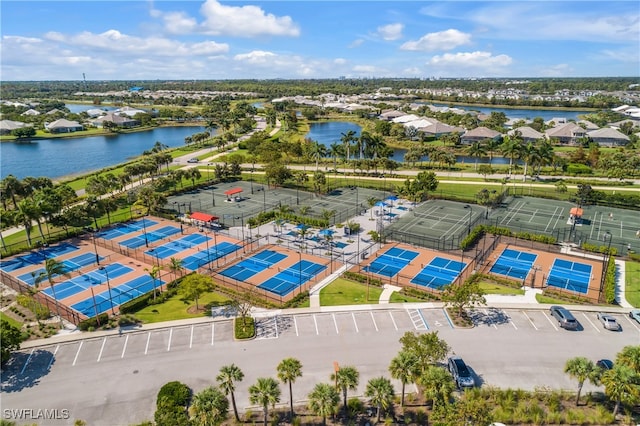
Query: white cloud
(339, 61)
(443, 40)
(179, 23)
(244, 21)
(356, 43)
(255, 57)
(483, 62)
(391, 32)
(558, 70)
(365, 69)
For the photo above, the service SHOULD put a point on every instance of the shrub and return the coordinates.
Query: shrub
(174, 393)
(473, 237)
(354, 276)
(246, 330)
(610, 283)
(93, 322)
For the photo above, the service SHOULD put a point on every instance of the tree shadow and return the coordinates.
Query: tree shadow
(15, 376)
(490, 317)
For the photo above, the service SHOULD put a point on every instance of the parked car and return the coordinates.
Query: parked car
(192, 160)
(608, 321)
(605, 364)
(635, 314)
(460, 372)
(565, 318)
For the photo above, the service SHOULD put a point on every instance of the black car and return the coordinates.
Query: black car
(460, 372)
(605, 364)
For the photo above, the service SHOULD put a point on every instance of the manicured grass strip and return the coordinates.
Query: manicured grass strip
(493, 288)
(17, 324)
(347, 292)
(540, 298)
(176, 308)
(397, 297)
(632, 284)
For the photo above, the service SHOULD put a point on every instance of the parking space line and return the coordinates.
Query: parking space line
(170, 336)
(78, 352)
(146, 348)
(191, 338)
(511, 322)
(124, 348)
(335, 323)
(316, 323)
(446, 315)
(374, 320)
(27, 362)
(393, 321)
(53, 357)
(213, 332)
(632, 323)
(550, 322)
(424, 321)
(592, 324)
(354, 322)
(104, 340)
(531, 322)
(295, 324)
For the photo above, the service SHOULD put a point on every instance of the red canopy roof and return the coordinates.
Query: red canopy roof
(203, 217)
(576, 212)
(233, 191)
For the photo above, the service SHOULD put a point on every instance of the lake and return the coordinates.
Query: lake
(520, 114)
(55, 158)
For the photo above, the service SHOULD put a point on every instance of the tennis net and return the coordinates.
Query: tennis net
(258, 263)
(440, 218)
(296, 274)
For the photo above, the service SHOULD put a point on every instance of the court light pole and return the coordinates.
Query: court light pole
(605, 262)
(95, 307)
(299, 272)
(95, 248)
(106, 274)
(144, 227)
(470, 217)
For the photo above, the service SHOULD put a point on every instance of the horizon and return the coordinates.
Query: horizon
(211, 40)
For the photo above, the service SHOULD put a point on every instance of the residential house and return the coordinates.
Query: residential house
(391, 114)
(438, 129)
(479, 134)
(527, 134)
(31, 111)
(118, 120)
(63, 126)
(566, 134)
(7, 126)
(608, 137)
(129, 111)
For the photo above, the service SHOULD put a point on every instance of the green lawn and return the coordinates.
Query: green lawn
(13, 322)
(540, 298)
(347, 292)
(397, 297)
(493, 288)
(632, 283)
(175, 308)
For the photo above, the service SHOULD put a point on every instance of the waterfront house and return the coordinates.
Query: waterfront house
(7, 126)
(118, 120)
(608, 137)
(527, 134)
(566, 134)
(63, 126)
(479, 134)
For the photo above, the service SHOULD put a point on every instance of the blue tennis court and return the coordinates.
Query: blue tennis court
(121, 294)
(514, 263)
(293, 277)
(244, 270)
(125, 228)
(96, 277)
(36, 257)
(70, 265)
(569, 275)
(439, 272)
(204, 257)
(158, 234)
(391, 262)
(174, 247)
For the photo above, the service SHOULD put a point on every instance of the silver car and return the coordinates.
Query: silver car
(608, 321)
(635, 314)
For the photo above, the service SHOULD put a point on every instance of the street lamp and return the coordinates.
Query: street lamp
(470, 216)
(106, 274)
(95, 248)
(243, 241)
(144, 227)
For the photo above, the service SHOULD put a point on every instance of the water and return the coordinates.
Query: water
(518, 114)
(55, 158)
(331, 132)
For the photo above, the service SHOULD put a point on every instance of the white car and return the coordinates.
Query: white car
(192, 160)
(608, 321)
(635, 314)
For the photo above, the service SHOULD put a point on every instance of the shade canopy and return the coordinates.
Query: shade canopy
(576, 212)
(233, 191)
(204, 217)
(392, 198)
(380, 204)
(326, 232)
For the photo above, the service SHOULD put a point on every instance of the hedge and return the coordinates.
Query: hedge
(600, 249)
(354, 276)
(610, 282)
(480, 230)
(93, 322)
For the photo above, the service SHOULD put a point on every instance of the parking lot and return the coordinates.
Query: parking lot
(132, 344)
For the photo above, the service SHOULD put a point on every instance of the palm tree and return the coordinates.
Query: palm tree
(289, 370)
(380, 391)
(511, 147)
(11, 187)
(52, 268)
(318, 151)
(265, 392)
(491, 145)
(630, 356)
(372, 202)
(154, 273)
(530, 155)
(620, 385)
(581, 369)
(209, 407)
(476, 150)
(324, 400)
(176, 266)
(346, 139)
(438, 385)
(227, 378)
(404, 367)
(346, 378)
(335, 150)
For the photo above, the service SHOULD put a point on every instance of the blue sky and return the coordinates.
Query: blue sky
(128, 40)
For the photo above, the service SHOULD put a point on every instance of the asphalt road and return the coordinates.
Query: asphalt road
(113, 380)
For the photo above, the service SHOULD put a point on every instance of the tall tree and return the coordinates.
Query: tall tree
(176, 266)
(227, 378)
(511, 148)
(404, 367)
(265, 392)
(52, 269)
(209, 407)
(630, 356)
(289, 370)
(621, 386)
(194, 285)
(438, 385)
(461, 296)
(324, 400)
(380, 392)
(477, 150)
(581, 369)
(347, 138)
(346, 378)
(428, 348)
